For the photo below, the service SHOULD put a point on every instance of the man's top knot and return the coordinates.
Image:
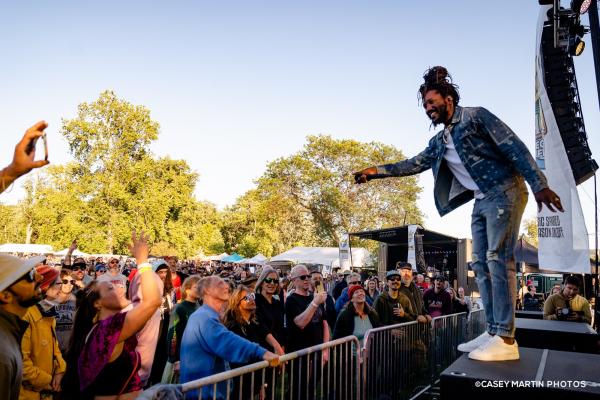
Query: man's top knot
(437, 75)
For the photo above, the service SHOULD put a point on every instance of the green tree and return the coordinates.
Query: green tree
(115, 185)
(530, 228)
(310, 198)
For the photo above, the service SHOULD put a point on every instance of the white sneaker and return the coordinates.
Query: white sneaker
(496, 350)
(475, 343)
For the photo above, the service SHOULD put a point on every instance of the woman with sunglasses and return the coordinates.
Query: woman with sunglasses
(65, 308)
(269, 308)
(240, 318)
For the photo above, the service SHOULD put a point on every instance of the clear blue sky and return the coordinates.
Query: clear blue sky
(237, 84)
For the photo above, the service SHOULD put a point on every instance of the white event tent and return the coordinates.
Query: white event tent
(327, 256)
(26, 248)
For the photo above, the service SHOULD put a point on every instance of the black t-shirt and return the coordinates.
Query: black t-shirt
(312, 334)
(271, 316)
(253, 332)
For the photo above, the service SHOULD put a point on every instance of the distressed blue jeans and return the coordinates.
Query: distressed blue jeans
(495, 226)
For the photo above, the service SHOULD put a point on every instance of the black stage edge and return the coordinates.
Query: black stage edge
(544, 374)
(556, 335)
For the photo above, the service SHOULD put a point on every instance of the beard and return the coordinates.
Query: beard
(442, 115)
(32, 301)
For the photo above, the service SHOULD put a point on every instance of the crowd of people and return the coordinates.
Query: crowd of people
(114, 327)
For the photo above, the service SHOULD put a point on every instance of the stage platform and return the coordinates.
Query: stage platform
(556, 335)
(544, 374)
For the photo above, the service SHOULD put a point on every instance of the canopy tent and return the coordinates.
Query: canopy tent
(26, 248)
(217, 257)
(328, 256)
(233, 258)
(258, 259)
(75, 253)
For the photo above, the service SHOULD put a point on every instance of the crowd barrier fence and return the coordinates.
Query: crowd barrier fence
(393, 363)
(301, 375)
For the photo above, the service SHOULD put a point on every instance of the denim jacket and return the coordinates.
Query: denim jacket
(493, 155)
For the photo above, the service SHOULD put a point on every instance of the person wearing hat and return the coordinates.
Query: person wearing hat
(78, 273)
(437, 300)
(250, 281)
(357, 317)
(43, 363)
(19, 290)
(392, 306)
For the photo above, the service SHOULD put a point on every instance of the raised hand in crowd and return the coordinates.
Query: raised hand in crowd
(24, 156)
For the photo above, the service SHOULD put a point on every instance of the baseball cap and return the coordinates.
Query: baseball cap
(12, 268)
(48, 274)
(403, 265)
(391, 273)
(156, 264)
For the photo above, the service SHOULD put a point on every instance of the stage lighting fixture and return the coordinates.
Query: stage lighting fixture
(580, 6)
(577, 47)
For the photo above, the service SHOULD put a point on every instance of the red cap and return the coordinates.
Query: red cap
(353, 289)
(49, 276)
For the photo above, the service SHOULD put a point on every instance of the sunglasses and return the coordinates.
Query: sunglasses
(303, 277)
(29, 277)
(101, 271)
(113, 262)
(394, 279)
(354, 283)
(67, 281)
(271, 280)
(77, 268)
(250, 297)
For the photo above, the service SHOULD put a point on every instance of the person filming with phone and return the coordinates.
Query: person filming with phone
(24, 157)
(568, 305)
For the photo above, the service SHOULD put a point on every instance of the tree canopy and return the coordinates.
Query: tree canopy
(115, 184)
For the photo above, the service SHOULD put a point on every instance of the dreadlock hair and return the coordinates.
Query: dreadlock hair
(437, 78)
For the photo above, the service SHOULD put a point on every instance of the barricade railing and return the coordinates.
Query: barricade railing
(398, 359)
(303, 374)
(394, 358)
(476, 324)
(447, 333)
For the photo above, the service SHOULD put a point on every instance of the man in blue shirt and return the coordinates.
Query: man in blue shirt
(477, 156)
(207, 346)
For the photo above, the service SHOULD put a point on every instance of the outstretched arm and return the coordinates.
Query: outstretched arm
(419, 163)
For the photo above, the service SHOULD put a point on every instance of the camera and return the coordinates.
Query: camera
(563, 313)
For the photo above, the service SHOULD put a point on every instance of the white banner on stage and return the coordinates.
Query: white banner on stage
(563, 239)
(411, 256)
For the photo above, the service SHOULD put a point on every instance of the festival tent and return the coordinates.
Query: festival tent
(217, 257)
(327, 256)
(258, 259)
(26, 248)
(235, 257)
(75, 253)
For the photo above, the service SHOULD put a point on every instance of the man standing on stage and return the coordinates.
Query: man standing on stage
(477, 155)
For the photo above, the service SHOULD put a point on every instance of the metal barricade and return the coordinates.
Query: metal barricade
(476, 324)
(447, 333)
(395, 360)
(302, 375)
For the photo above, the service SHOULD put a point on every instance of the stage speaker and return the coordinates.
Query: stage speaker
(561, 85)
